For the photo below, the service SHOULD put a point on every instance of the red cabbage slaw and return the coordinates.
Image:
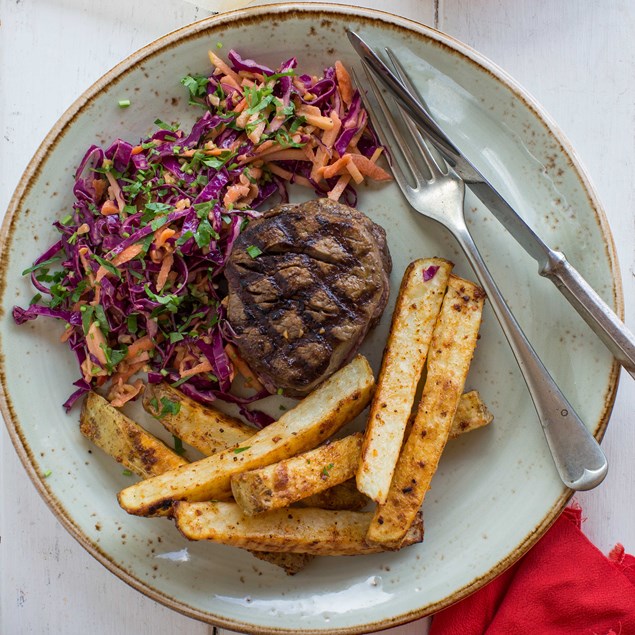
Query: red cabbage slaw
(137, 273)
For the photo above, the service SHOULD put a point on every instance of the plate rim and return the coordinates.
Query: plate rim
(165, 42)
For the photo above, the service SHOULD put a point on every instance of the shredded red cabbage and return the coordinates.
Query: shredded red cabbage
(137, 273)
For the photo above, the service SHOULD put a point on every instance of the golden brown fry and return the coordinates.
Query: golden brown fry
(342, 496)
(420, 296)
(336, 402)
(146, 456)
(297, 530)
(124, 440)
(292, 563)
(451, 351)
(471, 414)
(203, 427)
(283, 483)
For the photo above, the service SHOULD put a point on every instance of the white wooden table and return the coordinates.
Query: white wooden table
(576, 56)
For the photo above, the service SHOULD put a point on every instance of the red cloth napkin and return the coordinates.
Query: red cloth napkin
(563, 586)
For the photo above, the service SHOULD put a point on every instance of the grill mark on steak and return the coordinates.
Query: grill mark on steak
(301, 308)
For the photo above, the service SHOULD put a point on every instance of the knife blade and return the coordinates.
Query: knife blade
(552, 264)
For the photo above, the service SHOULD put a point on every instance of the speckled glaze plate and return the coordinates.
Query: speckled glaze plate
(496, 491)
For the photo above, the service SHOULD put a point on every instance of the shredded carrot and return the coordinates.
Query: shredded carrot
(293, 154)
(369, 168)
(344, 83)
(137, 150)
(125, 371)
(121, 393)
(127, 254)
(278, 171)
(109, 207)
(202, 367)
(96, 342)
(241, 105)
(339, 188)
(353, 170)
(263, 147)
(330, 136)
(243, 368)
(116, 191)
(338, 167)
(223, 67)
(256, 133)
(162, 235)
(99, 185)
(68, 331)
(235, 192)
(143, 344)
(166, 266)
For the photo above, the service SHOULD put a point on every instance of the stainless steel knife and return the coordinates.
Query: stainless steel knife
(551, 264)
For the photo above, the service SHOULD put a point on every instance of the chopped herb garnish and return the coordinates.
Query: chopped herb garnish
(178, 445)
(196, 84)
(169, 407)
(327, 469)
(131, 323)
(166, 126)
(47, 473)
(44, 263)
(239, 450)
(253, 251)
(124, 103)
(126, 472)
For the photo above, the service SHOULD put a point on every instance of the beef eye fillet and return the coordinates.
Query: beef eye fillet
(302, 306)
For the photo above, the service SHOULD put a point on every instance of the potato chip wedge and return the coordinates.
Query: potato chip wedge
(471, 414)
(146, 456)
(420, 295)
(342, 496)
(283, 483)
(453, 343)
(123, 439)
(205, 428)
(297, 530)
(336, 402)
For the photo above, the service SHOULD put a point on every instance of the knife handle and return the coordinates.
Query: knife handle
(593, 310)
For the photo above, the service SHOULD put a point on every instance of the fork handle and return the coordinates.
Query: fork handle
(580, 461)
(595, 312)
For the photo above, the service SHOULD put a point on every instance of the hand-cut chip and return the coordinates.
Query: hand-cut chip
(471, 414)
(203, 427)
(292, 563)
(342, 496)
(146, 456)
(336, 402)
(451, 350)
(297, 530)
(283, 483)
(124, 440)
(420, 296)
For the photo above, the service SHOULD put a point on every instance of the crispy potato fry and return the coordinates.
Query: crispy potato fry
(420, 296)
(292, 563)
(336, 402)
(124, 440)
(146, 456)
(298, 530)
(471, 414)
(203, 427)
(283, 483)
(342, 496)
(453, 343)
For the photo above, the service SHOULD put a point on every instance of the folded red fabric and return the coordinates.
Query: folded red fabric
(563, 586)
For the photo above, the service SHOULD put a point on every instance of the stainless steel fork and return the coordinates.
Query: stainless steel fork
(439, 195)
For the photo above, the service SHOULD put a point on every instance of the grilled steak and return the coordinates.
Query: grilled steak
(318, 282)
